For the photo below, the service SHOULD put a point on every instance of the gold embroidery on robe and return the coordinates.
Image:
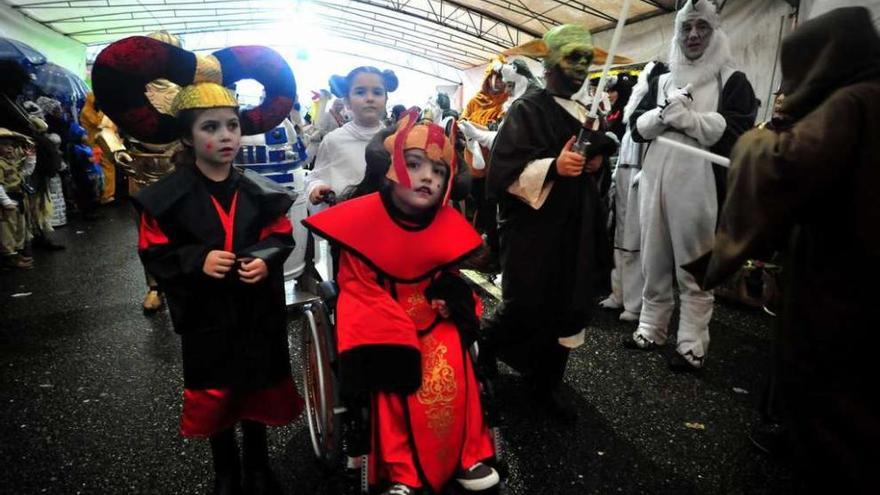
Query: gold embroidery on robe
(419, 310)
(438, 389)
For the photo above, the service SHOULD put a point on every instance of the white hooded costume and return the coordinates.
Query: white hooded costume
(627, 281)
(703, 103)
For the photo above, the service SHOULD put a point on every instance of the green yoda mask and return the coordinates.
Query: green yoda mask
(570, 47)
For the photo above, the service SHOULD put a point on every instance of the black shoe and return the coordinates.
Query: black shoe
(479, 477)
(555, 406)
(771, 439)
(227, 484)
(643, 344)
(680, 364)
(261, 482)
(400, 489)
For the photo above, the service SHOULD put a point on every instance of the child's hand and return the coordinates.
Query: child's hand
(439, 305)
(318, 192)
(218, 263)
(252, 270)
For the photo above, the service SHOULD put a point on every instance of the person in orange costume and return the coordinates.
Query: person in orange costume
(485, 111)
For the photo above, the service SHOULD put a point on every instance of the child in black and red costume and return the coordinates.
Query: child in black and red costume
(405, 320)
(215, 238)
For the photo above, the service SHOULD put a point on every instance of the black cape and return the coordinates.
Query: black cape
(553, 259)
(233, 334)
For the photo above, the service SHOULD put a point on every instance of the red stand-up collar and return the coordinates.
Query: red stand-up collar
(363, 226)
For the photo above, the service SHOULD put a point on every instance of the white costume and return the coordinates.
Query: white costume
(627, 281)
(702, 103)
(340, 161)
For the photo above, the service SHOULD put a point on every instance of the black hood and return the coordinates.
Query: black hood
(825, 54)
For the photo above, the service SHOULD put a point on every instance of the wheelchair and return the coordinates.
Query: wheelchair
(313, 302)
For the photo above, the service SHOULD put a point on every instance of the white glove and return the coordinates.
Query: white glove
(681, 96)
(484, 137)
(467, 129)
(678, 116)
(477, 161)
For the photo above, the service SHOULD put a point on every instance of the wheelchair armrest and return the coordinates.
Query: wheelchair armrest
(328, 290)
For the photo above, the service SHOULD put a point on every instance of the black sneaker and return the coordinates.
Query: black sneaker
(638, 342)
(399, 489)
(684, 364)
(478, 477)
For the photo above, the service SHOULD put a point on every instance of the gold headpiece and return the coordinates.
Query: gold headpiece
(202, 95)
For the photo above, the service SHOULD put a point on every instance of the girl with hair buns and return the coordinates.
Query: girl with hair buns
(340, 162)
(215, 238)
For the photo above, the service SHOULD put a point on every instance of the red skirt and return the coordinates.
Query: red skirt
(440, 427)
(207, 412)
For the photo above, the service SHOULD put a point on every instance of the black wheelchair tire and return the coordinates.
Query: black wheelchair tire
(319, 385)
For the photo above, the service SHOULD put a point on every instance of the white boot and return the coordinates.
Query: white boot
(610, 302)
(629, 316)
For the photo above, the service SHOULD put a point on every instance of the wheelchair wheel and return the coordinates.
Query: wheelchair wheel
(318, 351)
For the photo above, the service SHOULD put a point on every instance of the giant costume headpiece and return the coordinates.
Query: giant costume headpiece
(429, 137)
(685, 71)
(124, 68)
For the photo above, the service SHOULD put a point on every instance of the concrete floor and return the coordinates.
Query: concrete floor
(91, 393)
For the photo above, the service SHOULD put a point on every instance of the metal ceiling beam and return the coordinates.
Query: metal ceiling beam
(359, 40)
(436, 15)
(412, 47)
(456, 33)
(659, 5)
(478, 28)
(631, 20)
(378, 60)
(408, 36)
(587, 9)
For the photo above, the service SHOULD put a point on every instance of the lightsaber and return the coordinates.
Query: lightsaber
(612, 51)
(583, 139)
(697, 152)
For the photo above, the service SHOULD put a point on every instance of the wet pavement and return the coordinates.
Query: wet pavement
(90, 391)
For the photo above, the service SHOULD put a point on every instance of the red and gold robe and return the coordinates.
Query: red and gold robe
(427, 417)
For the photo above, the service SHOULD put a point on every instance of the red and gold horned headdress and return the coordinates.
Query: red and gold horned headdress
(429, 137)
(123, 69)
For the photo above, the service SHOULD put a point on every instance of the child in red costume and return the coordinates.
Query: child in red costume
(215, 238)
(405, 319)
